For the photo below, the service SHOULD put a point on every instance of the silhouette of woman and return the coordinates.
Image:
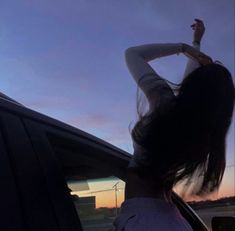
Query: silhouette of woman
(180, 138)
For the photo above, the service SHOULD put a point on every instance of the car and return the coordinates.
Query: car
(57, 177)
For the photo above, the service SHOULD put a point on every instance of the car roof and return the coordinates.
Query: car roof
(12, 106)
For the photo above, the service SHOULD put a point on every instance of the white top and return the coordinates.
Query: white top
(155, 88)
(150, 214)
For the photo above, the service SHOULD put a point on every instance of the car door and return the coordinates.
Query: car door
(80, 170)
(11, 213)
(34, 192)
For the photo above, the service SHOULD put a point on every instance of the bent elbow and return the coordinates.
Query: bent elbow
(130, 52)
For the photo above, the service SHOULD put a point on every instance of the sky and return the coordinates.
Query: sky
(65, 58)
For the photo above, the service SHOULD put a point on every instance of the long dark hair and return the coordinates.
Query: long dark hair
(186, 140)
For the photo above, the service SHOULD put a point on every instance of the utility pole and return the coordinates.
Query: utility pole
(115, 189)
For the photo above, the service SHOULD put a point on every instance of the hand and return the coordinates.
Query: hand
(204, 59)
(199, 30)
(197, 55)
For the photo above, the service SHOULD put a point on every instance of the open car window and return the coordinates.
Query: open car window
(93, 173)
(97, 201)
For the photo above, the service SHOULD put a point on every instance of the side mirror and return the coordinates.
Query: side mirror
(223, 223)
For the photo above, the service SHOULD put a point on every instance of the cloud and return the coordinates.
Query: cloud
(93, 120)
(47, 102)
(105, 128)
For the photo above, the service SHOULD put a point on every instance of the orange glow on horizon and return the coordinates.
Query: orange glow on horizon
(227, 189)
(104, 191)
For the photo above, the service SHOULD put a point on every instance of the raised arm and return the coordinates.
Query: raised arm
(147, 79)
(199, 30)
(154, 86)
(192, 64)
(142, 54)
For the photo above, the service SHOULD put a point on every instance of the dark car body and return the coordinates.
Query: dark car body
(37, 155)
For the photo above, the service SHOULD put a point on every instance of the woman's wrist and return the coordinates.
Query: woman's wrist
(196, 42)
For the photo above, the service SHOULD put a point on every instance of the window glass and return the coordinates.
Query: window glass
(220, 204)
(97, 201)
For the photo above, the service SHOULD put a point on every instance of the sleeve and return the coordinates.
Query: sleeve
(154, 86)
(192, 64)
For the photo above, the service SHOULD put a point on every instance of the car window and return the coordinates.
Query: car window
(97, 201)
(93, 180)
(221, 204)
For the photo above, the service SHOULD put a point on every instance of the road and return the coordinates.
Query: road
(207, 214)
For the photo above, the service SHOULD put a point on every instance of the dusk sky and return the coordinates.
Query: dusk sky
(65, 58)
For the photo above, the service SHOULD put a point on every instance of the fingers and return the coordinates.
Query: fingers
(197, 55)
(204, 59)
(198, 24)
(198, 20)
(193, 26)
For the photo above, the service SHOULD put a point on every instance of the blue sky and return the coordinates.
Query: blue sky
(65, 59)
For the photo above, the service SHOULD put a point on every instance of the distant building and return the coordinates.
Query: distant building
(87, 202)
(84, 205)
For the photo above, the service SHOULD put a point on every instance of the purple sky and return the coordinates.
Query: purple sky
(65, 58)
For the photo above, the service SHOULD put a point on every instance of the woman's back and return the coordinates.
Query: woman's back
(150, 214)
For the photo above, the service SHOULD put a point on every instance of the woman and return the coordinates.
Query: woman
(180, 138)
